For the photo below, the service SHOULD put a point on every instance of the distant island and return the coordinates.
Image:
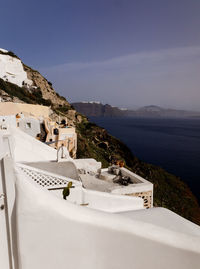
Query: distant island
(97, 109)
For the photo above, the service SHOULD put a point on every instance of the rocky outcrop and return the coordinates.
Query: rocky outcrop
(5, 97)
(31, 81)
(95, 109)
(45, 86)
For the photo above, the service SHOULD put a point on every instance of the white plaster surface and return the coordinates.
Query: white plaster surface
(65, 168)
(28, 149)
(111, 203)
(63, 153)
(4, 243)
(3, 50)
(53, 233)
(11, 69)
(8, 121)
(48, 231)
(79, 195)
(94, 183)
(88, 165)
(101, 200)
(166, 219)
(33, 123)
(132, 188)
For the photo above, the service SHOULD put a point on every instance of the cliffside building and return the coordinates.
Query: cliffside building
(35, 120)
(39, 229)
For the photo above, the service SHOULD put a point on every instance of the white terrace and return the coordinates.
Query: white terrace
(90, 229)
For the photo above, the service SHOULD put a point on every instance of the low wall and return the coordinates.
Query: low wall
(56, 234)
(47, 232)
(66, 169)
(10, 108)
(147, 197)
(140, 188)
(28, 149)
(101, 201)
(111, 202)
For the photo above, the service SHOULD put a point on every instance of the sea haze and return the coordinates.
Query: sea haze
(173, 144)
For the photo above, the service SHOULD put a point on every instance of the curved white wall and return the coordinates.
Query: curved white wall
(111, 202)
(102, 201)
(53, 233)
(28, 149)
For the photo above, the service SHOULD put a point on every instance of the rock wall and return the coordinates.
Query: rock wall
(45, 86)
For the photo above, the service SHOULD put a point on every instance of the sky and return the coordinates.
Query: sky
(127, 53)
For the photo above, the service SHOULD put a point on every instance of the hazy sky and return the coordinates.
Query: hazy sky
(127, 53)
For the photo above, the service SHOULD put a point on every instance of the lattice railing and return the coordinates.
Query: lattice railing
(44, 178)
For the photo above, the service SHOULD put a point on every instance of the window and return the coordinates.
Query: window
(28, 125)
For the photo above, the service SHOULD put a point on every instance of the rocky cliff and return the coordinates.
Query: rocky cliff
(96, 109)
(95, 142)
(93, 109)
(48, 93)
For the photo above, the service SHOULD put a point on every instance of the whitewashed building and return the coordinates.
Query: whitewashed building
(11, 70)
(91, 229)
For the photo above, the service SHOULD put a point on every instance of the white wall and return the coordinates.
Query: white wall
(8, 242)
(101, 200)
(65, 168)
(89, 165)
(4, 243)
(34, 126)
(53, 233)
(78, 195)
(8, 121)
(110, 202)
(28, 149)
(12, 69)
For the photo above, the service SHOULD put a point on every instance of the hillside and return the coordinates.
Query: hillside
(20, 83)
(95, 142)
(169, 190)
(94, 109)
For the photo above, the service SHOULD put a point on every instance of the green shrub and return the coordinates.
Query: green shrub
(63, 109)
(10, 53)
(34, 97)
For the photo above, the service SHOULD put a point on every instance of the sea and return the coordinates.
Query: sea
(173, 144)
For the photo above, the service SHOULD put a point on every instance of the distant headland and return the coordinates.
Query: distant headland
(97, 109)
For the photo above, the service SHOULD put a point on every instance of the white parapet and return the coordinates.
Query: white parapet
(26, 148)
(78, 195)
(87, 165)
(51, 232)
(45, 231)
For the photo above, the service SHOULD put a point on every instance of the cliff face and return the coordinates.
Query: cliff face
(95, 142)
(97, 109)
(48, 93)
(18, 79)
(92, 109)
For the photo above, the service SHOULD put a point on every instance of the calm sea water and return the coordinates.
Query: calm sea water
(173, 144)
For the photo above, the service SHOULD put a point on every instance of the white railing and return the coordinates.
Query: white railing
(38, 230)
(45, 179)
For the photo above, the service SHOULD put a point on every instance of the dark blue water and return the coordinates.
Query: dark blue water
(173, 144)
